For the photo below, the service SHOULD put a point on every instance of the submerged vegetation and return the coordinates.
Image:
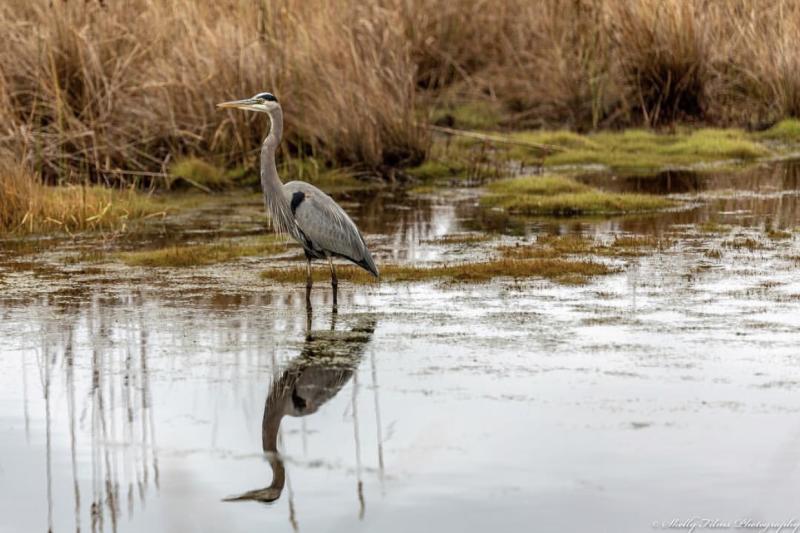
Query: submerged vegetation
(562, 196)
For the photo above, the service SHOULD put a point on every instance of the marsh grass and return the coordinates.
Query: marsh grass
(199, 173)
(316, 172)
(712, 226)
(744, 243)
(437, 170)
(558, 270)
(184, 256)
(456, 160)
(665, 55)
(563, 246)
(777, 234)
(562, 196)
(460, 238)
(474, 115)
(27, 206)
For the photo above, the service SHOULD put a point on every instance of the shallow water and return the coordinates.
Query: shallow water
(134, 399)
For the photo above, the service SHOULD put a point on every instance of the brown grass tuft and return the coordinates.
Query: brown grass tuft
(559, 270)
(664, 50)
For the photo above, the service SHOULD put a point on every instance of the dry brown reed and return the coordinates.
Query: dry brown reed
(92, 88)
(113, 90)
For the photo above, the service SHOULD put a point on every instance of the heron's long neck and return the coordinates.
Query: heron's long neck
(274, 199)
(270, 426)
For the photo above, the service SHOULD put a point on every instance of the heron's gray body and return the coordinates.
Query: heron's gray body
(323, 228)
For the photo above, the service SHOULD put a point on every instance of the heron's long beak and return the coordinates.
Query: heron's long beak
(247, 103)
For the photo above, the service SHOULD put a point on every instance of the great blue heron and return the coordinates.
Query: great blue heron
(307, 214)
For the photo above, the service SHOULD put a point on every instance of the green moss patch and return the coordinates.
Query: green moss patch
(787, 131)
(630, 151)
(562, 196)
(642, 150)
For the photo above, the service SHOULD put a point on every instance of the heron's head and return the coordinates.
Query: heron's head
(262, 102)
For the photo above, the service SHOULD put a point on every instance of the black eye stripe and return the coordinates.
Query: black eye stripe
(269, 97)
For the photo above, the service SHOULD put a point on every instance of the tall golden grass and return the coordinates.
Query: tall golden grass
(105, 90)
(28, 206)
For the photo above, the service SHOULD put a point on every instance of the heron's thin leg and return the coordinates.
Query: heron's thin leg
(309, 314)
(334, 279)
(334, 282)
(309, 282)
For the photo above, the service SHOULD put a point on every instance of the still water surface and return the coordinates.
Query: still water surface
(141, 400)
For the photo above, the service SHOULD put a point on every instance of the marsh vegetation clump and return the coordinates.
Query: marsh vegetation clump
(786, 131)
(563, 246)
(713, 226)
(184, 256)
(744, 243)
(563, 196)
(461, 238)
(558, 270)
(643, 150)
(776, 234)
(633, 151)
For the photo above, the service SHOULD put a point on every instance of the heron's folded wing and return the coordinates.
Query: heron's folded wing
(326, 225)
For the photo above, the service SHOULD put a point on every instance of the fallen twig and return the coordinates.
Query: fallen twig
(495, 138)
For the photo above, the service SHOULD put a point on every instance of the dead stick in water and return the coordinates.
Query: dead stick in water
(494, 138)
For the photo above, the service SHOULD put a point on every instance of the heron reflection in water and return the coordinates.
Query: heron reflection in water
(325, 364)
